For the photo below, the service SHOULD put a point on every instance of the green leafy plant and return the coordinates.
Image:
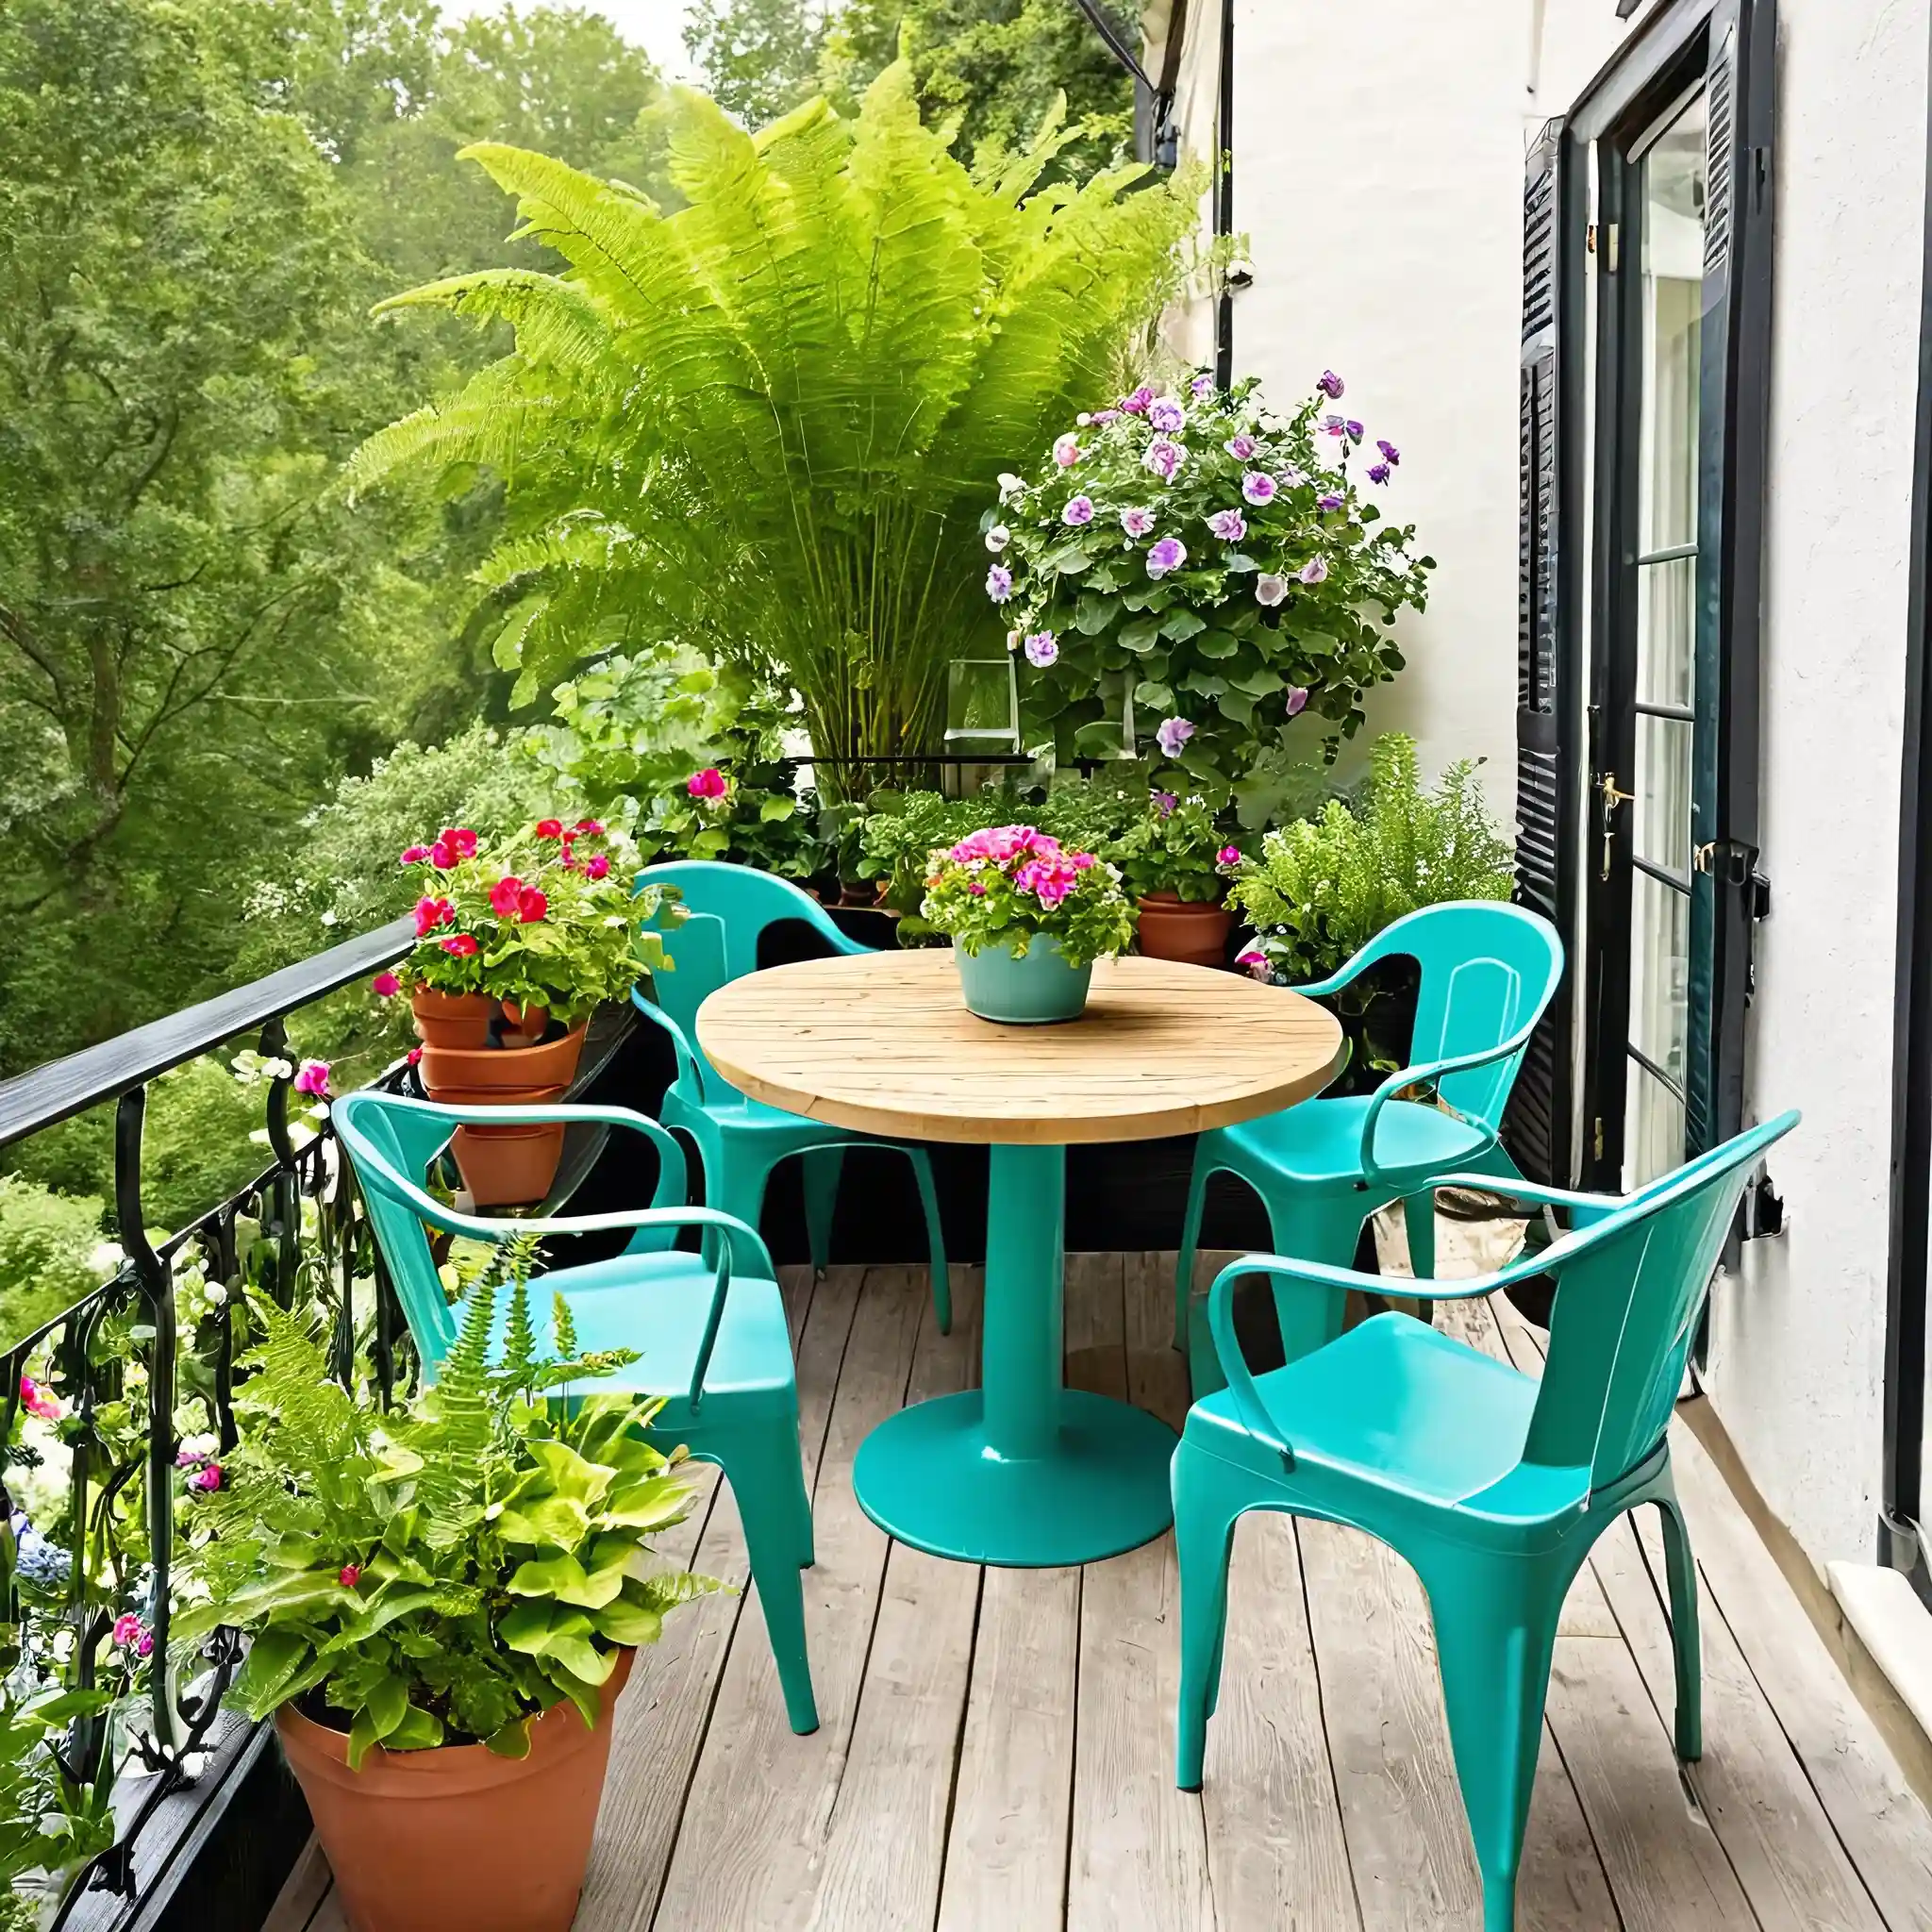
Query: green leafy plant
(47, 1823)
(1176, 845)
(1211, 570)
(450, 1570)
(763, 425)
(1011, 885)
(1318, 891)
(548, 920)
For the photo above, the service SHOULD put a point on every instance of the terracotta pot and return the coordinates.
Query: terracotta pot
(431, 1841)
(504, 1167)
(524, 1026)
(1187, 932)
(451, 1019)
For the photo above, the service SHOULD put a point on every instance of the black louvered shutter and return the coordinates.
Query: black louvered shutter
(1734, 409)
(1537, 1128)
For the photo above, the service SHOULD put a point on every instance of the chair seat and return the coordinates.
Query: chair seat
(657, 1306)
(1320, 1141)
(1395, 1406)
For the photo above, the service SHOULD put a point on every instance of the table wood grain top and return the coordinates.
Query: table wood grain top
(882, 1042)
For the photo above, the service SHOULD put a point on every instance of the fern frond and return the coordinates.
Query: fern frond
(557, 322)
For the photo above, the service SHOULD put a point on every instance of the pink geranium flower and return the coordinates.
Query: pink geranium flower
(415, 855)
(1255, 963)
(506, 895)
(709, 783)
(385, 985)
(349, 1575)
(36, 1401)
(589, 829)
(463, 946)
(550, 828)
(531, 904)
(596, 866)
(312, 1077)
(432, 913)
(1228, 855)
(208, 1479)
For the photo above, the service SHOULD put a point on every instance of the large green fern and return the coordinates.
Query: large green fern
(767, 424)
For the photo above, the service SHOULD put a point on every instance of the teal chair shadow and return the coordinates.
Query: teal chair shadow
(740, 1139)
(1492, 1484)
(709, 1328)
(1322, 1168)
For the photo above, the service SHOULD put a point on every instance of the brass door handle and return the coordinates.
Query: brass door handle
(1612, 799)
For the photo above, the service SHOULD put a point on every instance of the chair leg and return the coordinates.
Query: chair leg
(736, 1186)
(1190, 1240)
(1495, 1629)
(822, 1167)
(1685, 1648)
(935, 1238)
(767, 1484)
(1311, 1225)
(1205, 1512)
(1419, 1218)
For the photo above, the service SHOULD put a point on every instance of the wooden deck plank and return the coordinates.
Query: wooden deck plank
(886, 1849)
(663, 1714)
(329, 1916)
(752, 1831)
(1140, 1847)
(302, 1891)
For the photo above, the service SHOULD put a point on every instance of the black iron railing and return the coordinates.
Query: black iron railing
(112, 1380)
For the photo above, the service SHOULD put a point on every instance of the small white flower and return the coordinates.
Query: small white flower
(998, 538)
(1012, 486)
(1270, 588)
(217, 1293)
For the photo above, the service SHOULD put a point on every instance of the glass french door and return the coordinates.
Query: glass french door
(1651, 265)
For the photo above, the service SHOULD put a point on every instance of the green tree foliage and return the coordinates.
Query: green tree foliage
(47, 1245)
(757, 59)
(758, 425)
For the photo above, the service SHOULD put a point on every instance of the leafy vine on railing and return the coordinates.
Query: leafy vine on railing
(114, 1418)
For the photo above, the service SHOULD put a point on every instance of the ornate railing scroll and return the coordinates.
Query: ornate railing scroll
(111, 1385)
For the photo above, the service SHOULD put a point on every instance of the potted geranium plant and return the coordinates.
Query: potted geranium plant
(514, 948)
(1176, 860)
(1192, 570)
(1028, 918)
(442, 1601)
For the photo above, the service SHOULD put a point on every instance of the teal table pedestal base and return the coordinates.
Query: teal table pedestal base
(1021, 1472)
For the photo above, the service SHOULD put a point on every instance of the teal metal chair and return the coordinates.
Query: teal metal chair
(1492, 1485)
(1322, 1168)
(728, 908)
(709, 1328)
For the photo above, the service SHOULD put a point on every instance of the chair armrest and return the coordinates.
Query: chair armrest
(1430, 1071)
(1321, 1274)
(1583, 1209)
(688, 1067)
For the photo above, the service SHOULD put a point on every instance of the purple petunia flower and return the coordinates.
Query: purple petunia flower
(1292, 478)
(1269, 589)
(1297, 700)
(1136, 404)
(1239, 448)
(1103, 417)
(1391, 455)
(1333, 425)
(1201, 387)
(1137, 522)
(1378, 472)
(1330, 499)
(1355, 430)
(1079, 510)
(1258, 486)
(1169, 554)
(1164, 456)
(1229, 525)
(1166, 415)
(1042, 649)
(999, 583)
(1174, 733)
(1330, 385)
(1314, 571)
(1164, 802)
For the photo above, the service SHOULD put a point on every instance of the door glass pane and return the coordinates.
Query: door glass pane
(1665, 630)
(1672, 301)
(1660, 811)
(1652, 1128)
(1660, 938)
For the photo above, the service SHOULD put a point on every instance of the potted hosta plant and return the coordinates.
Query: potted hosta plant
(514, 948)
(1028, 918)
(1176, 860)
(442, 1602)
(1206, 578)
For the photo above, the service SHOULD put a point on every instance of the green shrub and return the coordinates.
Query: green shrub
(47, 1254)
(1321, 889)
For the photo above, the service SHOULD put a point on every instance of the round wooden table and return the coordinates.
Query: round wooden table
(1021, 1471)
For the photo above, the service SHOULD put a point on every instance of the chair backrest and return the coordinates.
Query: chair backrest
(729, 909)
(1487, 970)
(388, 1138)
(1629, 1289)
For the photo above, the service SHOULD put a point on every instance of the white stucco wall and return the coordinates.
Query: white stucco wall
(1798, 1342)
(1378, 171)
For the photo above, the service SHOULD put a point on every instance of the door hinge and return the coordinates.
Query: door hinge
(1734, 864)
(1596, 1138)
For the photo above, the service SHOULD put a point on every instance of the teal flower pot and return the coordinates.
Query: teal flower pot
(1032, 990)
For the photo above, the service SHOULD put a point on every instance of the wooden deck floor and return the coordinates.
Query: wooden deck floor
(996, 1747)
